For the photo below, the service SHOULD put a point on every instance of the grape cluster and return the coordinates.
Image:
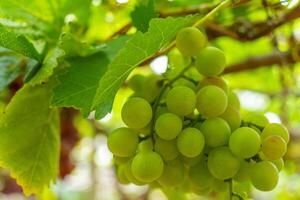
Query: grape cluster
(182, 134)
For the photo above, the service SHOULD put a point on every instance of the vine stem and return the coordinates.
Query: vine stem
(230, 189)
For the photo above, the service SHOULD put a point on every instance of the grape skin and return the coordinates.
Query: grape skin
(151, 87)
(275, 129)
(200, 176)
(136, 113)
(274, 147)
(173, 174)
(168, 126)
(233, 100)
(232, 117)
(190, 142)
(118, 137)
(214, 80)
(244, 172)
(166, 148)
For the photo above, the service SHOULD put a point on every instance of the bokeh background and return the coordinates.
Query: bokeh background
(261, 40)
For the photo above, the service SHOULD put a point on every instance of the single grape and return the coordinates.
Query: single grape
(120, 160)
(190, 41)
(210, 61)
(147, 166)
(136, 82)
(216, 132)
(222, 164)
(232, 117)
(186, 83)
(244, 142)
(274, 147)
(244, 172)
(279, 163)
(233, 100)
(130, 177)
(121, 176)
(136, 113)
(173, 174)
(160, 111)
(257, 119)
(167, 149)
(211, 101)
(200, 176)
(264, 176)
(275, 129)
(181, 100)
(151, 87)
(118, 138)
(214, 80)
(190, 142)
(168, 126)
(220, 186)
(145, 145)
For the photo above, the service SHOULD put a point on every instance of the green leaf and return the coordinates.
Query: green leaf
(50, 62)
(142, 14)
(29, 139)
(136, 50)
(9, 70)
(78, 83)
(17, 43)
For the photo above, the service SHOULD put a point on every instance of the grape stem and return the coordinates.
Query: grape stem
(230, 189)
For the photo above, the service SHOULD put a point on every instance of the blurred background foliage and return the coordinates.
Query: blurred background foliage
(261, 39)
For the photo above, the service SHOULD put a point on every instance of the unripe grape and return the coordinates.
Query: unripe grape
(121, 176)
(136, 82)
(210, 61)
(201, 191)
(173, 174)
(147, 166)
(216, 132)
(189, 162)
(151, 87)
(190, 142)
(257, 119)
(264, 176)
(274, 147)
(200, 176)
(181, 100)
(275, 129)
(220, 186)
(190, 41)
(120, 160)
(145, 145)
(279, 163)
(186, 83)
(168, 126)
(244, 142)
(167, 149)
(233, 100)
(222, 164)
(232, 117)
(130, 176)
(216, 81)
(136, 113)
(123, 142)
(211, 101)
(244, 172)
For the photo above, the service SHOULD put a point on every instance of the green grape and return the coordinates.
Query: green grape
(147, 166)
(210, 61)
(130, 177)
(232, 117)
(201, 191)
(275, 129)
(168, 126)
(136, 82)
(146, 131)
(216, 132)
(145, 145)
(264, 176)
(211, 101)
(120, 160)
(186, 83)
(220, 186)
(167, 149)
(151, 87)
(136, 113)
(279, 163)
(244, 142)
(233, 100)
(190, 142)
(274, 147)
(222, 164)
(173, 174)
(257, 119)
(190, 41)
(181, 100)
(118, 138)
(244, 172)
(216, 81)
(160, 110)
(121, 176)
(189, 162)
(200, 176)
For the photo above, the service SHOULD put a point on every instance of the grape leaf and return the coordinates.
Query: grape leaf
(78, 83)
(136, 50)
(17, 43)
(29, 139)
(9, 70)
(142, 14)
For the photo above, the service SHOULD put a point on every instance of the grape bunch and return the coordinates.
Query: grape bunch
(189, 134)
